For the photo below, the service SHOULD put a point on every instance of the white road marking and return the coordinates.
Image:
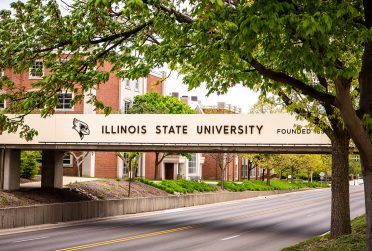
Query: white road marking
(39, 238)
(231, 237)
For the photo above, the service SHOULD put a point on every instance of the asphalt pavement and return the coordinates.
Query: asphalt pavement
(262, 224)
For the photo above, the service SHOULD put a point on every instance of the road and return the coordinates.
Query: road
(263, 223)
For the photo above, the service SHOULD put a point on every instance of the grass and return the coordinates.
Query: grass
(180, 186)
(352, 242)
(258, 185)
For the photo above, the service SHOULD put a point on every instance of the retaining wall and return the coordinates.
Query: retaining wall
(72, 211)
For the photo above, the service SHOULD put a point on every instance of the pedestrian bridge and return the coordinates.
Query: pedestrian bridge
(237, 133)
(234, 133)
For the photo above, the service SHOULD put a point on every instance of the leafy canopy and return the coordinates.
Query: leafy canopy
(297, 46)
(155, 103)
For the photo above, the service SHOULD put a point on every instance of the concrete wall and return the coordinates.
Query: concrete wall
(72, 211)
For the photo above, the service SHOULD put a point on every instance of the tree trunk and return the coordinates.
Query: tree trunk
(340, 206)
(280, 174)
(130, 176)
(222, 179)
(268, 177)
(78, 170)
(292, 173)
(367, 179)
(365, 103)
(249, 169)
(354, 124)
(263, 174)
(255, 166)
(156, 174)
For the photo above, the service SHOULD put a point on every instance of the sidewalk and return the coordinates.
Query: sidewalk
(356, 182)
(66, 180)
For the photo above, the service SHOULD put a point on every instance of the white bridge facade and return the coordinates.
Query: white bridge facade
(235, 133)
(252, 133)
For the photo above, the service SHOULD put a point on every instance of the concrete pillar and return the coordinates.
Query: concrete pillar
(162, 170)
(9, 169)
(143, 165)
(176, 171)
(119, 168)
(52, 169)
(89, 164)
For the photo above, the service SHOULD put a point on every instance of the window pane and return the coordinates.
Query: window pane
(137, 85)
(37, 69)
(2, 103)
(64, 101)
(192, 164)
(127, 105)
(67, 160)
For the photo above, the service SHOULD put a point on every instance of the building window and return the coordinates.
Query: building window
(127, 83)
(245, 168)
(2, 102)
(36, 71)
(236, 169)
(127, 105)
(125, 165)
(355, 157)
(136, 85)
(192, 164)
(64, 101)
(244, 171)
(67, 160)
(252, 169)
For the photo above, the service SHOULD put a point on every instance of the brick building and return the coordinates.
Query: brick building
(119, 94)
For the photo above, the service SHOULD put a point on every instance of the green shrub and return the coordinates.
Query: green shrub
(180, 186)
(258, 185)
(28, 164)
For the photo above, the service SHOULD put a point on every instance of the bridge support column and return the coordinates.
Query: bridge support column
(89, 164)
(52, 169)
(9, 169)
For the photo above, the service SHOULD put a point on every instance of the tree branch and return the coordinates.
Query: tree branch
(306, 114)
(293, 82)
(322, 81)
(125, 34)
(180, 17)
(351, 120)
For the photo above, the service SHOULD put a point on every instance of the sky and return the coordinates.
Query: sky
(238, 95)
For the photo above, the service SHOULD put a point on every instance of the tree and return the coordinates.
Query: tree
(355, 167)
(154, 103)
(28, 166)
(324, 118)
(310, 164)
(321, 50)
(79, 159)
(281, 166)
(133, 164)
(130, 160)
(222, 160)
(266, 105)
(326, 163)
